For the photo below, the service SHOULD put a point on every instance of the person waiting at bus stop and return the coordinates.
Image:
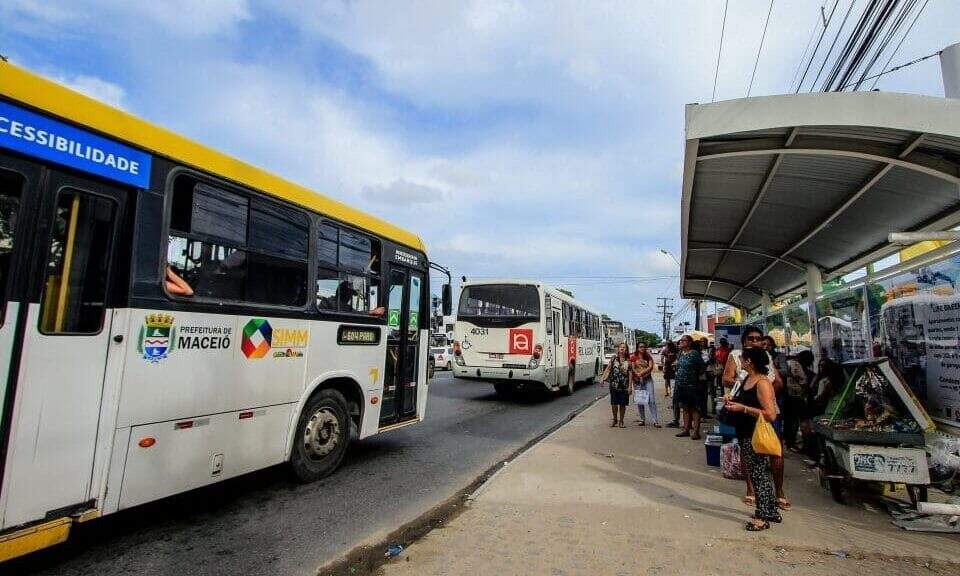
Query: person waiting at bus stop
(687, 388)
(619, 375)
(753, 400)
(642, 363)
(734, 376)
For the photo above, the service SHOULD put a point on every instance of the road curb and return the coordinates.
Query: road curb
(367, 558)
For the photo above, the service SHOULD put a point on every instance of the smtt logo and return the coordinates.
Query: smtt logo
(257, 338)
(521, 341)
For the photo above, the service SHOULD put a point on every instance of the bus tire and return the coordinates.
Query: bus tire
(323, 434)
(571, 383)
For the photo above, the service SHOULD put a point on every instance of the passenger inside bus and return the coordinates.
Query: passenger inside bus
(176, 285)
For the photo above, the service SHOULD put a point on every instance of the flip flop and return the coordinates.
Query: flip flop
(622, 425)
(751, 527)
(749, 500)
(784, 504)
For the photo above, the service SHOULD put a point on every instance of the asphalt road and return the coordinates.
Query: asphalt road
(263, 523)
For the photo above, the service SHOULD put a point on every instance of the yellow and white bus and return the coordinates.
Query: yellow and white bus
(518, 333)
(172, 317)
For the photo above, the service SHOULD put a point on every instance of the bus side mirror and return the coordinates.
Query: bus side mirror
(447, 296)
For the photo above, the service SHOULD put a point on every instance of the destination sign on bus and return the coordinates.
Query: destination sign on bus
(48, 139)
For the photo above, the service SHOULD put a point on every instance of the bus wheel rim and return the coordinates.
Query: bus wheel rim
(321, 436)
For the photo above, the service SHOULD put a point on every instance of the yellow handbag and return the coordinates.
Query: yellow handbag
(765, 439)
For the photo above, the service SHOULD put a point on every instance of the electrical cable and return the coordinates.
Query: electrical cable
(869, 39)
(817, 47)
(760, 49)
(848, 47)
(902, 16)
(832, 45)
(895, 68)
(803, 55)
(723, 28)
(897, 49)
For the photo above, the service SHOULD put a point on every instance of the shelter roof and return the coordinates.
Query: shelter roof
(773, 183)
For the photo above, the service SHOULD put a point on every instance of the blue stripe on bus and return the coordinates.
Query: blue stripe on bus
(41, 137)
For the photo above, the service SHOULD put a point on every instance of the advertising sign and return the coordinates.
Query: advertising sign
(920, 325)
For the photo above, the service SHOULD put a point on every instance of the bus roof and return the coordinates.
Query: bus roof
(45, 95)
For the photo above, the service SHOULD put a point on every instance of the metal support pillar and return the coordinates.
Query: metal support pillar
(814, 287)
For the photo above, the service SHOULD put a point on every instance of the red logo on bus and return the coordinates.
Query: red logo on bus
(572, 348)
(521, 341)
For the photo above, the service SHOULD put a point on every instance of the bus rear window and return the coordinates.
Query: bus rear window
(500, 301)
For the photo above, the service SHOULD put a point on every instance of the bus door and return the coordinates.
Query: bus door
(404, 297)
(557, 350)
(58, 253)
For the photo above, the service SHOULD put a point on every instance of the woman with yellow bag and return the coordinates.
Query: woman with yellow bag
(753, 409)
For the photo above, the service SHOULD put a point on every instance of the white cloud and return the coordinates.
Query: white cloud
(180, 17)
(402, 194)
(96, 88)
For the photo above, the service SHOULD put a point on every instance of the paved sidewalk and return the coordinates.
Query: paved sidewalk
(591, 499)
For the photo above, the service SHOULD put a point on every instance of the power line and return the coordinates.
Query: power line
(832, 45)
(817, 47)
(901, 17)
(897, 49)
(803, 56)
(895, 68)
(759, 50)
(723, 28)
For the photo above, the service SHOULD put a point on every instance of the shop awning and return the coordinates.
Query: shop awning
(771, 184)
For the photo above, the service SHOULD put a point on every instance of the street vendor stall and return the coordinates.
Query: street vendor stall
(874, 431)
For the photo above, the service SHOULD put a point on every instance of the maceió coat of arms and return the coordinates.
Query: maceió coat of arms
(157, 337)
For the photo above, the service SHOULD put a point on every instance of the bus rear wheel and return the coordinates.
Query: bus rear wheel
(323, 433)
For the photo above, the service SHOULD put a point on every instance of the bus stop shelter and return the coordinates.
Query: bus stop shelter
(782, 192)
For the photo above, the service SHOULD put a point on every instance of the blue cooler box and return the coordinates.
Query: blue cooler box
(712, 445)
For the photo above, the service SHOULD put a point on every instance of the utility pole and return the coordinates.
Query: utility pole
(696, 321)
(665, 307)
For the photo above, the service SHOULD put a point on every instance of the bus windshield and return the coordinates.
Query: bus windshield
(613, 332)
(499, 303)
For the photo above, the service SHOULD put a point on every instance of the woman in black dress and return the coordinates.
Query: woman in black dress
(619, 375)
(756, 399)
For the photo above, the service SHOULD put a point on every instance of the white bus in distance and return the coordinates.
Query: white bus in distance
(613, 335)
(522, 333)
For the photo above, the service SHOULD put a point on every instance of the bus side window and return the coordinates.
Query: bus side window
(226, 246)
(348, 274)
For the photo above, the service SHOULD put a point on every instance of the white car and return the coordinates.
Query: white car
(442, 357)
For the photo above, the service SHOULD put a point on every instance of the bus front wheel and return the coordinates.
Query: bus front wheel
(323, 433)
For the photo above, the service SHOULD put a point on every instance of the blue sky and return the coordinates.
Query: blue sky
(520, 139)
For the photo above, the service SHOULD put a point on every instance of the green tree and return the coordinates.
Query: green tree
(648, 338)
